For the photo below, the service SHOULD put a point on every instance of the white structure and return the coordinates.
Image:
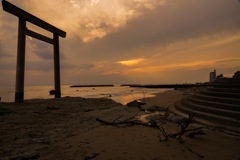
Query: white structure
(212, 76)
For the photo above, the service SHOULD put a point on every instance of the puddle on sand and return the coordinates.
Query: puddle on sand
(155, 115)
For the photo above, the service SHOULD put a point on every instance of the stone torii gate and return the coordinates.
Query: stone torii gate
(22, 32)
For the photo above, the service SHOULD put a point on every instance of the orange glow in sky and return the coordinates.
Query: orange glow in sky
(126, 41)
(131, 62)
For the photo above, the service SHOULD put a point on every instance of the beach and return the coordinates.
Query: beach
(74, 128)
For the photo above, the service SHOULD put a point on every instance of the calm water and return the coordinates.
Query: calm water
(122, 94)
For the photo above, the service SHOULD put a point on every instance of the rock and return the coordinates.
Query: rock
(157, 109)
(174, 118)
(118, 114)
(134, 104)
(53, 107)
(52, 92)
(91, 156)
(4, 111)
(26, 156)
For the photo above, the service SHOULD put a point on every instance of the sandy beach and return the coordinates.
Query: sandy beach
(70, 129)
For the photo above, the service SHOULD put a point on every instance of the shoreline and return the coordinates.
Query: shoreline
(117, 93)
(67, 129)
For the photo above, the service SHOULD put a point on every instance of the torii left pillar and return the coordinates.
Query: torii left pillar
(19, 90)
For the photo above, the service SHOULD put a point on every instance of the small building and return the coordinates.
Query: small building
(212, 76)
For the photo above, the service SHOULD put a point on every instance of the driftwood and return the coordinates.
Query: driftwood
(131, 121)
(185, 131)
(196, 132)
(183, 123)
(128, 123)
(163, 132)
(26, 156)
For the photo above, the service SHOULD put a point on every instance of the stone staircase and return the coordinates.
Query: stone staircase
(218, 105)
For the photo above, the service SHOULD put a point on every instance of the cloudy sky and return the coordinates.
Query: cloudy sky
(126, 41)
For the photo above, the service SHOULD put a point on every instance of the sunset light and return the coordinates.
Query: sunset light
(119, 79)
(131, 62)
(157, 37)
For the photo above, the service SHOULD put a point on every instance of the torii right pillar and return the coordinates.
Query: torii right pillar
(56, 66)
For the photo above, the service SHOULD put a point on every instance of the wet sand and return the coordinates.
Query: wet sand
(67, 129)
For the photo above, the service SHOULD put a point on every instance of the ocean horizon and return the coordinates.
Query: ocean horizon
(121, 94)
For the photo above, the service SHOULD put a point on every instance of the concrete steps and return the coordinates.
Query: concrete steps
(217, 99)
(221, 94)
(227, 84)
(208, 118)
(229, 90)
(212, 109)
(218, 105)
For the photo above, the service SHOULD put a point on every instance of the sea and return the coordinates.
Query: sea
(121, 94)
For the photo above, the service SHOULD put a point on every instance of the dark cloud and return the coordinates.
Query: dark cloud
(2, 52)
(39, 66)
(176, 21)
(85, 67)
(42, 50)
(47, 65)
(171, 23)
(7, 66)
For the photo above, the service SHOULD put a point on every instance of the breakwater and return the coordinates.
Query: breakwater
(92, 86)
(175, 86)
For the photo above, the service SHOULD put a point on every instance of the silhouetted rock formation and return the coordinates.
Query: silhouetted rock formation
(237, 75)
(52, 92)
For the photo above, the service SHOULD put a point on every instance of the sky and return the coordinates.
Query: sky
(126, 41)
